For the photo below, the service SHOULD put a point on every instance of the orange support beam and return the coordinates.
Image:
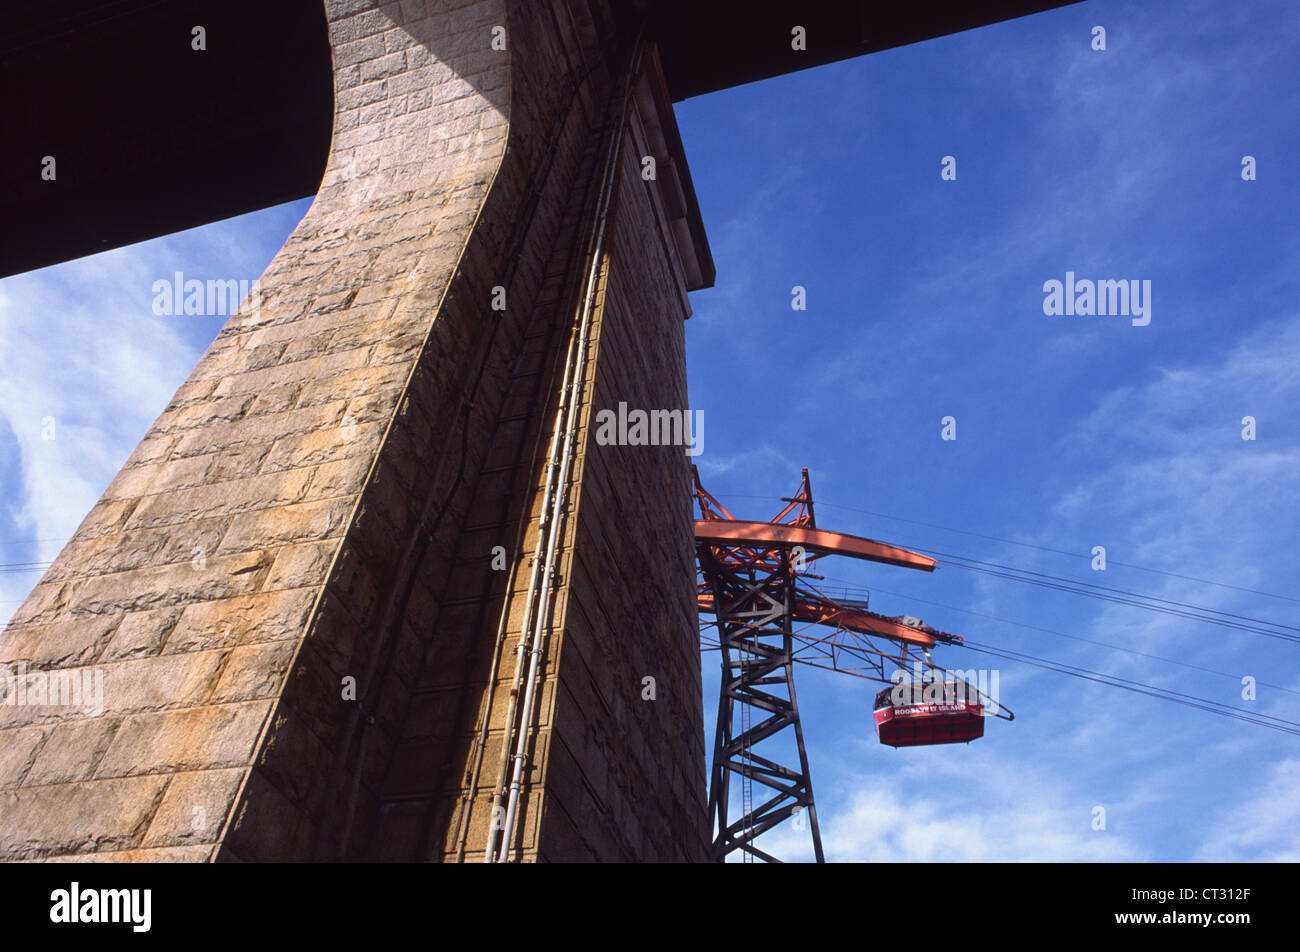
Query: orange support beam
(865, 622)
(767, 534)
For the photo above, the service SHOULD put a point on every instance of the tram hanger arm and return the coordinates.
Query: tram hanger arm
(852, 619)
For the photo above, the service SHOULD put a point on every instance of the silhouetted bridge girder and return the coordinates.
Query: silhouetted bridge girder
(151, 137)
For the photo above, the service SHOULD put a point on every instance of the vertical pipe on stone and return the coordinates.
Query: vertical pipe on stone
(576, 79)
(529, 602)
(543, 534)
(572, 410)
(462, 831)
(552, 462)
(544, 528)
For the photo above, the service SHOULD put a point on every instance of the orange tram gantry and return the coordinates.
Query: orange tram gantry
(753, 581)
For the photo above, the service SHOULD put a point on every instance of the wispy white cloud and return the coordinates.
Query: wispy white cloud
(93, 375)
(1264, 826)
(955, 805)
(88, 367)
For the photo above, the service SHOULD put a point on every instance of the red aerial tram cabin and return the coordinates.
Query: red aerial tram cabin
(754, 579)
(912, 722)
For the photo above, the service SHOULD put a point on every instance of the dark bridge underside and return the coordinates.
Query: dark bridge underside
(151, 137)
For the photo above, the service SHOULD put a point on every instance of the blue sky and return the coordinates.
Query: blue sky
(925, 300)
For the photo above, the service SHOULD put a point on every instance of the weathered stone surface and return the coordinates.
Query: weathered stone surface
(268, 616)
(71, 751)
(287, 589)
(176, 854)
(193, 809)
(64, 642)
(184, 740)
(162, 682)
(18, 753)
(288, 525)
(141, 634)
(254, 671)
(77, 818)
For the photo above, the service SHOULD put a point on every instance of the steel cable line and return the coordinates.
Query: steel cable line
(18, 567)
(1231, 620)
(1062, 634)
(1150, 690)
(1191, 615)
(1138, 687)
(1104, 588)
(1045, 548)
(1041, 548)
(1120, 596)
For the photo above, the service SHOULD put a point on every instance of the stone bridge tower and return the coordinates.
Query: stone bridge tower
(305, 589)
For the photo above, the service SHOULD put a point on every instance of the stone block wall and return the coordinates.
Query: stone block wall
(288, 588)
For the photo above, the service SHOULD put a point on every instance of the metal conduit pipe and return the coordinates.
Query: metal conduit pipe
(571, 412)
(530, 601)
(462, 830)
(552, 462)
(423, 533)
(544, 529)
(529, 604)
